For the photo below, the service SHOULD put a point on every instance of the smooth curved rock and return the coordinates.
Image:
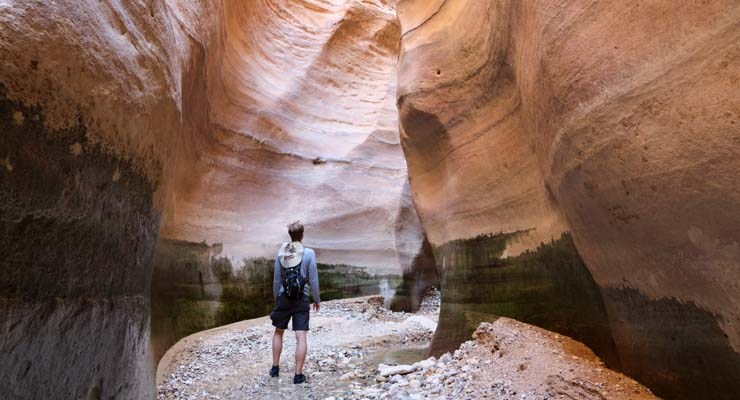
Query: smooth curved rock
(303, 109)
(241, 130)
(92, 101)
(224, 120)
(617, 122)
(583, 153)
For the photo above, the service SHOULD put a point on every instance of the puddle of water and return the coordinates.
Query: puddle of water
(404, 355)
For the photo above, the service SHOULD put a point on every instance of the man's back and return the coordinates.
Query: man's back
(309, 271)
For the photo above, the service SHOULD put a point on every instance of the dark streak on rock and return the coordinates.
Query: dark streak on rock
(75, 260)
(675, 348)
(549, 286)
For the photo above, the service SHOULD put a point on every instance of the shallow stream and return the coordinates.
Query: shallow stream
(405, 355)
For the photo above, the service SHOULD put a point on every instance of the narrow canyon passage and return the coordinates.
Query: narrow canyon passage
(569, 164)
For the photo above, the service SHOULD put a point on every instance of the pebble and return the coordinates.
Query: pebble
(402, 369)
(348, 376)
(425, 364)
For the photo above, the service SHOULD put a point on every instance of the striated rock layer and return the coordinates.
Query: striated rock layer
(92, 120)
(618, 122)
(217, 121)
(302, 108)
(77, 232)
(572, 164)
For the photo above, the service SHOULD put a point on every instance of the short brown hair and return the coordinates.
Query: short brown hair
(295, 230)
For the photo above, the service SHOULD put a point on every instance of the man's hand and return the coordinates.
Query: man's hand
(316, 306)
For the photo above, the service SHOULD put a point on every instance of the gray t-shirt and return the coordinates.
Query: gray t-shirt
(308, 270)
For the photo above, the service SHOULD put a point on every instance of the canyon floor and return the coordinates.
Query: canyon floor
(358, 349)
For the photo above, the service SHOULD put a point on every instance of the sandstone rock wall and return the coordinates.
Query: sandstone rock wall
(78, 229)
(617, 122)
(301, 97)
(224, 120)
(92, 119)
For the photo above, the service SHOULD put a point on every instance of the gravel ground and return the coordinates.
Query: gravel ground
(232, 362)
(506, 359)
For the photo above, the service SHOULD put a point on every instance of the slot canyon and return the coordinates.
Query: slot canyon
(570, 164)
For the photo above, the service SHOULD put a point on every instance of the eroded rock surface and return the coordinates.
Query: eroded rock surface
(548, 286)
(224, 120)
(92, 118)
(614, 125)
(302, 107)
(617, 122)
(77, 228)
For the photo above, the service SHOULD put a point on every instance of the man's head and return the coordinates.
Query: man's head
(295, 230)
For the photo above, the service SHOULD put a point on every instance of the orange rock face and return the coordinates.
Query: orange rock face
(92, 97)
(608, 130)
(242, 129)
(468, 149)
(618, 122)
(217, 121)
(302, 108)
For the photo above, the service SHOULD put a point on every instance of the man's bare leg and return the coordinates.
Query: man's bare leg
(300, 351)
(277, 346)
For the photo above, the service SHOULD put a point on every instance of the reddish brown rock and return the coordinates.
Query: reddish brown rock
(619, 118)
(302, 106)
(608, 127)
(227, 119)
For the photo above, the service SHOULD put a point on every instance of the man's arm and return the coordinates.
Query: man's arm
(313, 280)
(276, 280)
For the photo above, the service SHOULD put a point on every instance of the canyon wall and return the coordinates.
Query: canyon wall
(614, 123)
(78, 230)
(92, 97)
(302, 107)
(571, 163)
(217, 121)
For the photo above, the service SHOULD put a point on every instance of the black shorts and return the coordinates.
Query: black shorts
(286, 308)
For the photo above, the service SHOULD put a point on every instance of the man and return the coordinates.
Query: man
(292, 259)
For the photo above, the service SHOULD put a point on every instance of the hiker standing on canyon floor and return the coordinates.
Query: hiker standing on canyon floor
(295, 265)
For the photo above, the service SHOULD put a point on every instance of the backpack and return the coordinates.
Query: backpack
(293, 282)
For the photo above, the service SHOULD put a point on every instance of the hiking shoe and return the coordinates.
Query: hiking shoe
(274, 371)
(299, 378)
